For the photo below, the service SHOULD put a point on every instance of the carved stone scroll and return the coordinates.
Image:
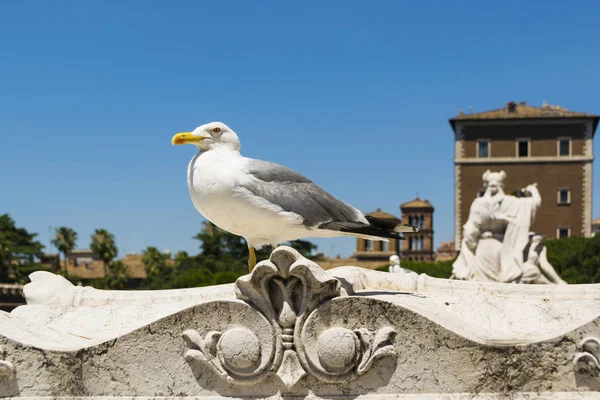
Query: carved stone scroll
(286, 290)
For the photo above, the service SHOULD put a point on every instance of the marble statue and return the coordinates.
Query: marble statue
(395, 266)
(496, 235)
(537, 268)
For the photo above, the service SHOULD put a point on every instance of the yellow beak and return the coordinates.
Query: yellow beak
(186, 138)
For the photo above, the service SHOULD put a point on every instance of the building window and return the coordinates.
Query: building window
(564, 147)
(384, 246)
(564, 196)
(416, 243)
(563, 232)
(522, 147)
(368, 245)
(483, 149)
(419, 221)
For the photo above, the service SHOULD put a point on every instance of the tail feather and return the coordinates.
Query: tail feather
(377, 227)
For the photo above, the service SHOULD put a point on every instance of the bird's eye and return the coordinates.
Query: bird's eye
(216, 130)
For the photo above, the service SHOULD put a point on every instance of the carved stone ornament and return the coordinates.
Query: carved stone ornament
(7, 369)
(8, 377)
(587, 360)
(285, 290)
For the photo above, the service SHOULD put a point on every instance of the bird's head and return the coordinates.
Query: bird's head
(208, 137)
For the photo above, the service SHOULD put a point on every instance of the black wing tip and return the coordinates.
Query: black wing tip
(358, 228)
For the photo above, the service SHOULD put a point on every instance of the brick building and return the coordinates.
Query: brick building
(419, 246)
(370, 250)
(446, 252)
(548, 145)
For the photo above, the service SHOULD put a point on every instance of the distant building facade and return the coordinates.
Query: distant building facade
(81, 257)
(546, 145)
(83, 265)
(595, 226)
(419, 246)
(446, 252)
(11, 296)
(370, 250)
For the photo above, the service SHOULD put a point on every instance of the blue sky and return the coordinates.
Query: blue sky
(355, 95)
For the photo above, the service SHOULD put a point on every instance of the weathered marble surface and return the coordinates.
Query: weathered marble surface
(292, 329)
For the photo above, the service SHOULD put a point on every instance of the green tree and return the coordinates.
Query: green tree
(211, 239)
(64, 240)
(440, 269)
(118, 276)
(225, 255)
(104, 247)
(304, 247)
(575, 259)
(19, 251)
(190, 272)
(158, 269)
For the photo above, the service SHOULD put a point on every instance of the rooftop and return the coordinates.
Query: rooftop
(417, 203)
(521, 110)
(80, 251)
(382, 215)
(95, 268)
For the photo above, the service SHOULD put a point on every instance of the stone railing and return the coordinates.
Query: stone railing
(291, 329)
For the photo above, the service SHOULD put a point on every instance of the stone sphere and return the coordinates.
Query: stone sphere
(337, 349)
(239, 348)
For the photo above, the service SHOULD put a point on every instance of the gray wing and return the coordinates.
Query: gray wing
(295, 193)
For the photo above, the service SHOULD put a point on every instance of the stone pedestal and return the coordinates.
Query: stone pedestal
(291, 329)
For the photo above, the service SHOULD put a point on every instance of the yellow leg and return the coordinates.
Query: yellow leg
(251, 258)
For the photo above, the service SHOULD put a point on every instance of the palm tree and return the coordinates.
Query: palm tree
(118, 277)
(64, 240)
(104, 247)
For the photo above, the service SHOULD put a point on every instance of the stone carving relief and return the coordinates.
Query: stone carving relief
(7, 369)
(587, 359)
(8, 381)
(285, 290)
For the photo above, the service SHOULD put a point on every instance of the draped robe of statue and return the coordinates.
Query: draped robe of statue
(494, 237)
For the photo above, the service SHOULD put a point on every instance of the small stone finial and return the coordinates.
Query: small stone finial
(461, 112)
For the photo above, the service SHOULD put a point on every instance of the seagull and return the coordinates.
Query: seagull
(266, 203)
